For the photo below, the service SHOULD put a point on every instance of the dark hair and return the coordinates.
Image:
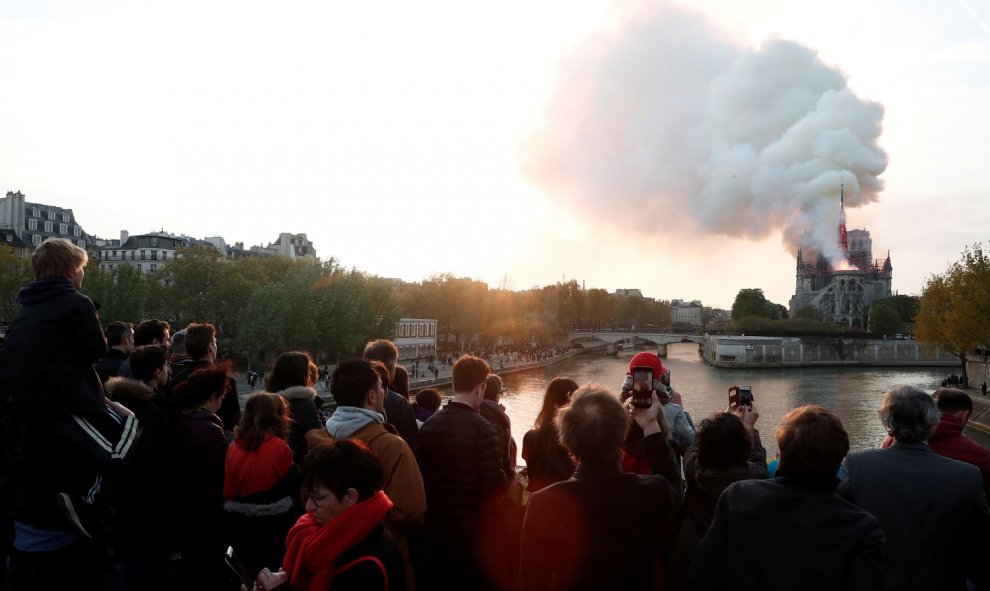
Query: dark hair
(952, 400)
(593, 426)
(291, 369)
(400, 381)
(351, 381)
(909, 414)
(493, 387)
(200, 386)
(146, 360)
(382, 350)
(558, 393)
(199, 337)
(469, 372)
(722, 441)
(429, 398)
(116, 332)
(812, 444)
(149, 330)
(263, 413)
(347, 463)
(383, 374)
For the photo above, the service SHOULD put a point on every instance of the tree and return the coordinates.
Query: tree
(884, 319)
(749, 302)
(15, 273)
(955, 306)
(808, 312)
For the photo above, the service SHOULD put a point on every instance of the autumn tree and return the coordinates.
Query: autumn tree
(15, 273)
(955, 306)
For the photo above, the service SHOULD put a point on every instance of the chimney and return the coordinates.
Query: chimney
(124, 236)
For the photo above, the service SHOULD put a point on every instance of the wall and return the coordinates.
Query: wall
(798, 352)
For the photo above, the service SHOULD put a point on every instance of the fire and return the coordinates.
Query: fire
(845, 265)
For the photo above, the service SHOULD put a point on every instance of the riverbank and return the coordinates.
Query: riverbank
(780, 352)
(445, 378)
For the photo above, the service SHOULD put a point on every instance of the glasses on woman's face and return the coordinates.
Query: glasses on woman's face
(317, 499)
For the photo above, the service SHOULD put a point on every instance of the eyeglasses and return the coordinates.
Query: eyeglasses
(317, 499)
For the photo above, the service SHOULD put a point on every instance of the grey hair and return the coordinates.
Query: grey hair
(909, 414)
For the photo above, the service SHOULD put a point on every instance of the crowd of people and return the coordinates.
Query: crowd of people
(127, 447)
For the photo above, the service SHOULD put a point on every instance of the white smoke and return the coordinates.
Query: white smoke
(659, 117)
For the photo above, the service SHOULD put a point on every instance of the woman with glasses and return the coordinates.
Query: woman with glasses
(340, 543)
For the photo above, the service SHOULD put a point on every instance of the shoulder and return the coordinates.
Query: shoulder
(296, 393)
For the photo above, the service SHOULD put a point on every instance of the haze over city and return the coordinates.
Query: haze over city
(685, 149)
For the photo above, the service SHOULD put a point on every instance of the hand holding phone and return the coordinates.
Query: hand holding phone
(740, 396)
(642, 390)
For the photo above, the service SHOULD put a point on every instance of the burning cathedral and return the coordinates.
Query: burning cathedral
(842, 291)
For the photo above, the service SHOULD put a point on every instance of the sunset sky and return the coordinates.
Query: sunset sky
(652, 145)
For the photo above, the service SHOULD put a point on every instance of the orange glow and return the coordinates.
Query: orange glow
(845, 265)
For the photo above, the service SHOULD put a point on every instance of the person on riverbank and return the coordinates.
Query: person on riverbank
(546, 460)
(462, 470)
(932, 509)
(398, 411)
(602, 528)
(727, 449)
(793, 531)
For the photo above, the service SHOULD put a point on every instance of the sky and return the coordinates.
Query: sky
(685, 149)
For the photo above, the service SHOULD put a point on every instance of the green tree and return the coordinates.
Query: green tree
(121, 292)
(808, 312)
(955, 306)
(15, 273)
(750, 302)
(884, 319)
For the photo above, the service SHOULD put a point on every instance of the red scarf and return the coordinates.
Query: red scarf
(311, 550)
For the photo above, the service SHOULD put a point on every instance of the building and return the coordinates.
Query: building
(626, 293)
(33, 223)
(686, 313)
(294, 246)
(147, 252)
(843, 291)
(416, 337)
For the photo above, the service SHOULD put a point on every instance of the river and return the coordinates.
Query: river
(854, 394)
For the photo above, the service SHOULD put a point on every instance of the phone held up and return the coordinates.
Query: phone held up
(642, 392)
(238, 567)
(740, 396)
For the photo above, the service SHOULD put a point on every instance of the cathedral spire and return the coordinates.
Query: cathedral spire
(843, 240)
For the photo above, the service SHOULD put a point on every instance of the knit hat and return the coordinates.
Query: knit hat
(647, 359)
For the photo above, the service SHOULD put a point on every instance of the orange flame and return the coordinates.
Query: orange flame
(845, 265)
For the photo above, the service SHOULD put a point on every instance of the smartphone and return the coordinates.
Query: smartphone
(239, 569)
(642, 392)
(740, 396)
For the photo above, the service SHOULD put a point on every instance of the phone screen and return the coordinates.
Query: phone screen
(642, 387)
(238, 567)
(745, 396)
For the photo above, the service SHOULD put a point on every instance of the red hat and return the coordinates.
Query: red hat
(647, 359)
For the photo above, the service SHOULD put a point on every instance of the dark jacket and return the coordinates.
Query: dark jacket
(399, 413)
(305, 416)
(230, 409)
(602, 528)
(198, 449)
(46, 360)
(546, 460)
(949, 441)
(495, 414)
(361, 574)
(704, 486)
(932, 509)
(109, 366)
(783, 534)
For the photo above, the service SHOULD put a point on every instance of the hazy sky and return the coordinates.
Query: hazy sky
(513, 141)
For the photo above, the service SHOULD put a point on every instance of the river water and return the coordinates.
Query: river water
(854, 394)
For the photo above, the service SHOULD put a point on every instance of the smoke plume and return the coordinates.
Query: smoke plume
(659, 118)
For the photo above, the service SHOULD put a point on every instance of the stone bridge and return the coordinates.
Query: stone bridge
(593, 338)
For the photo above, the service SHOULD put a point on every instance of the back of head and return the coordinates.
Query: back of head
(722, 441)
(558, 393)
(351, 381)
(347, 463)
(118, 332)
(149, 331)
(264, 413)
(594, 425)
(178, 344)
(469, 372)
(382, 350)
(400, 381)
(199, 337)
(146, 360)
(952, 400)
(200, 386)
(57, 258)
(493, 388)
(812, 444)
(909, 414)
(291, 369)
(429, 398)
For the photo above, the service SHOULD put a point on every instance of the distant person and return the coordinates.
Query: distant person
(983, 388)
(602, 528)
(546, 460)
(120, 343)
(398, 411)
(178, 360)
(932, 509)
(793, 532)
(428, 401)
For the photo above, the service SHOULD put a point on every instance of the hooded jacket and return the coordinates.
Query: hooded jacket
(305, 416)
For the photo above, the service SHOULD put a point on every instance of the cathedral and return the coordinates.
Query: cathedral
(843, 291)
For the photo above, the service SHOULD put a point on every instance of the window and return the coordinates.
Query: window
(154, 267)
(32, 224)
(154, 240)
(10, 237)
(142, 255)
(63, 229)
(114, 254)
(35, 212)
(164, 255)
(81, 243)
(154, 255)
(76, 231)
(48, 227)
(139, 267)
(51, 214)
(65, 217)
(35, 240)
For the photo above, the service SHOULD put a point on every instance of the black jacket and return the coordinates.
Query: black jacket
(46, 360)
(109, 366)
(399, 413)
(230, 408)
(305, 416)
(495, 414)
